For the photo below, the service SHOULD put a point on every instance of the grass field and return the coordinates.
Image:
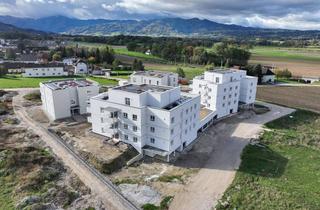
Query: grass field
(189, 70)
(302, 54)
(300, 61)
(17, 81)
(283, 171)
(303, 97)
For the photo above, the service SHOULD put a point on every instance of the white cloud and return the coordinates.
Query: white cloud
(293, 14)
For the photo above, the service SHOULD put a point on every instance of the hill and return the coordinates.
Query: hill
(158, 27)
(10, 31)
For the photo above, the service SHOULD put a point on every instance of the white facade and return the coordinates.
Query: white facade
(154, 78)
(64, 98)
(44, 71)
(147, 117)
(268, 79)
(80, 67)
(222, 90)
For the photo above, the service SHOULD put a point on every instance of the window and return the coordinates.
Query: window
(186, 131)
(234, 101)
(125, 126)
(102, 121)
(194, 116)
(251, 83)
(152, 129)
(186, 122)
(152, 118)
(125, 115)
(134, 128)
(134, 117)
(171, 142)
(127, 101)
(135, 139)
(126, 137)
(236, 87)
(195, 106)
(231, 79)
(210, 89)
(217, 79)
(102, 130)
(225, 89)
(187, 111)
(157, 82)
(172, 119)
(230, 88)
(223, 105)
(224, 97)
(172, 131)
(152, 140)
(114, 114)
(230, 96)
(199, 85)
(236, 94)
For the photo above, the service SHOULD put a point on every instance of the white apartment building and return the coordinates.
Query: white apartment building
(153, 119)
(154, 78)
(44, 70)
(64, 98)
(224, 90)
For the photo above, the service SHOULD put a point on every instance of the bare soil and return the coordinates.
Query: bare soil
(298, 68)
(36, 178)
(303, 97)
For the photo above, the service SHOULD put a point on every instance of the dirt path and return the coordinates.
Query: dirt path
(90, 177)
(229, 137)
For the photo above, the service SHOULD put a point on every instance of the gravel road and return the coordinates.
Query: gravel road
(226, 142)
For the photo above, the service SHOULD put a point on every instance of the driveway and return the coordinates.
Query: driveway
(223, 144)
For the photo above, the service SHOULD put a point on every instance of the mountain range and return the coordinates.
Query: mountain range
(157, 27)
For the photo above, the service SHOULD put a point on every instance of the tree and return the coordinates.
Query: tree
(3, 70)
(132, 46)
(137, 65)
(116, 63)
(91, 60)
(283, 74)
(10, 54)
(56, 56)
(180, 72)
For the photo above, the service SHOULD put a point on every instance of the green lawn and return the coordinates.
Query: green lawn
(284, 171)
(17, 81)
(302, 54)
(283, 80)
(124, 51)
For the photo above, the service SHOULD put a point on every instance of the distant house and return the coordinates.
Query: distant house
(28, 58)
(267, 76)
(310, 79)
(80, 67)
(148, 52)
(44, 70)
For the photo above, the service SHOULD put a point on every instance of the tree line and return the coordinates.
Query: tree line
(93, 55)
(221, 54)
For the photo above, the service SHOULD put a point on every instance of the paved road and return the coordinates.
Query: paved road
(208, 186)
(98, 184)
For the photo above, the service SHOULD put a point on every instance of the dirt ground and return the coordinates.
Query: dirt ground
(304, 97)
(298, 68)
(60, 189)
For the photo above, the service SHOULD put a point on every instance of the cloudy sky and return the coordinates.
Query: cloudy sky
(291, 14)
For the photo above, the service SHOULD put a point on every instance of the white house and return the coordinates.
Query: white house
(64, 98)
(267, 76)
(222, 90)
(44, 70)
(80, 67)
(155, 120)
(154, 78)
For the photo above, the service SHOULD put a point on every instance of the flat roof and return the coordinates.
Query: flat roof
(63, 84)
(151, 73)
(204, 112)
(223, 71)
(132, 88)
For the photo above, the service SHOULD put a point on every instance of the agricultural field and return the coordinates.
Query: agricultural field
(17, 81)
(281, 171)
(190, 71)
(303, 97)
(300, 61)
